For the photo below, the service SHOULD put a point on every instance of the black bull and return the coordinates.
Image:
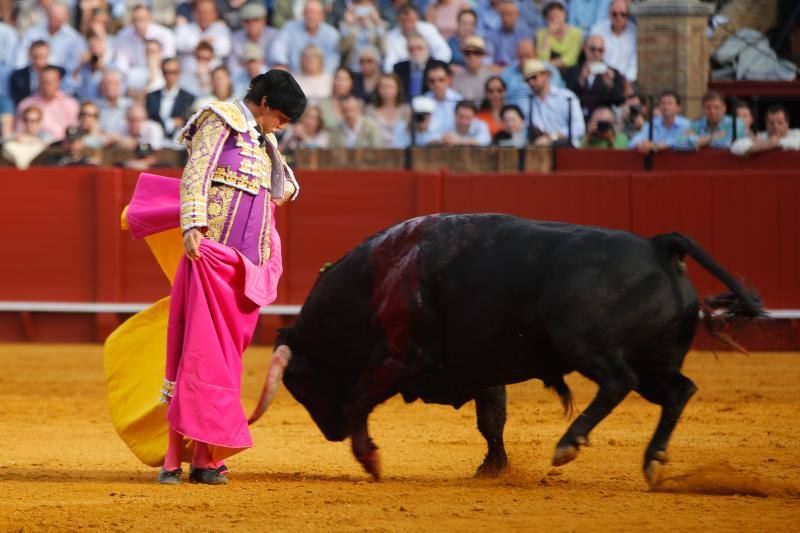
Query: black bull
(450, 308)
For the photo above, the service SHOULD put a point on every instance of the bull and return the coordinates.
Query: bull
(451, 308)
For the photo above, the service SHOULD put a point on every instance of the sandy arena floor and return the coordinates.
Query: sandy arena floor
(63, 467)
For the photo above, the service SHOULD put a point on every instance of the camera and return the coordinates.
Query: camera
(420, 117)
(634, 111)
(604, 126)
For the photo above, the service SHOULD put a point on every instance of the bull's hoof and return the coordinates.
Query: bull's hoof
(564, 455)
(654, 468)
(567, 453)
(371, 462)
(491, 468)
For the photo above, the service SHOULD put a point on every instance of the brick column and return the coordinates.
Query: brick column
(673, 49)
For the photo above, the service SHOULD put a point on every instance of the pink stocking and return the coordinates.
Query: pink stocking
(172, 459)
(201, 457)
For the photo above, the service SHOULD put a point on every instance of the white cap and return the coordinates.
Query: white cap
(423, 104)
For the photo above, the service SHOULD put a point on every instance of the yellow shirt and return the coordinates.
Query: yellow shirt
(569, 48)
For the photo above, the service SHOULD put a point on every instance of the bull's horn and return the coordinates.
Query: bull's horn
(280, 358)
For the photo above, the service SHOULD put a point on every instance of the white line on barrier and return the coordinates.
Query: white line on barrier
(89, 307)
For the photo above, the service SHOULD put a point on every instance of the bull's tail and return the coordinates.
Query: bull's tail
(721, 312)
(564, 394)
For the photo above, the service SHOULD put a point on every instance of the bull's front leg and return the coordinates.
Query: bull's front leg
(490, 406)
(376, 386)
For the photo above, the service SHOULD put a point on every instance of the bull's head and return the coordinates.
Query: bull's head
(314, 390)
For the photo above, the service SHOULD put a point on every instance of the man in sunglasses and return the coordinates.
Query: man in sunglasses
(619, 36)
(593, 80)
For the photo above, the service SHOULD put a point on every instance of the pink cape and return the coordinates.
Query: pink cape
(214, 309)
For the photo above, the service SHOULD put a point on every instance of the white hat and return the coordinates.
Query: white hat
(423, 104)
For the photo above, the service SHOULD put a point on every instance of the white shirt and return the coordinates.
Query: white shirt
(790, 141)
(151, 134)
(187, 36)
(168, 98)
(620, 50)
(550, 114)
(239, 40)
(443, 118)
(288, 45)
(478, 131)
(397, 47)
(66, 46)
(130, 48)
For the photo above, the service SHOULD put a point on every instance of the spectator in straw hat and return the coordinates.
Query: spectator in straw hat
(469, 82)
(557, 113)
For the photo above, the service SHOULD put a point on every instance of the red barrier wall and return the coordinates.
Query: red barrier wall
(65, 245)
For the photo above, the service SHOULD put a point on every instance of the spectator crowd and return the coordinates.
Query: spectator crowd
(378, 73)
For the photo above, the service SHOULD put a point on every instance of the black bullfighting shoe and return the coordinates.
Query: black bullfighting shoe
(169, 477)
(207, 476)
(222, 469)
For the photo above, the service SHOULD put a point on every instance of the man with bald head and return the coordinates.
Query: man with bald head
(512, 30)
(67, 46)
(619, 35)
(296, 35)
(593, 80)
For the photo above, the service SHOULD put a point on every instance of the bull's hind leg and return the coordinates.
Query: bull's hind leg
(490, 406)
(615, 380)
(672, 392)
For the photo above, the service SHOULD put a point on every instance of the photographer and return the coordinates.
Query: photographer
(423, 135)
(593, 81)
(601, 133)
(631, 117)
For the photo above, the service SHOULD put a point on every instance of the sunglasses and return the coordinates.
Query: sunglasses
(437, 80)
(621, 14)
(472, 52)
(84, 114)
(596, 49)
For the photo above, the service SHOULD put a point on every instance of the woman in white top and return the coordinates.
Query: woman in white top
(312, 78)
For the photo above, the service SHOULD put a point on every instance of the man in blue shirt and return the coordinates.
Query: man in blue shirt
(511, 31)
(556, 113)
(714, 129)
(667, 128)
(518, 91)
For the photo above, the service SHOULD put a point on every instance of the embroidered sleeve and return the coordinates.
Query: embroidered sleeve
(205, 146)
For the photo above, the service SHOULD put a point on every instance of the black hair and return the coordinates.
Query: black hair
(485, 103)
(778, 108)
(512, 107)
(468, 104)
(467, 11)
(671, 93)
(281, 92)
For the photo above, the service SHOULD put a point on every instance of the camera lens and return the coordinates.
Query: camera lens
(420, 117)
